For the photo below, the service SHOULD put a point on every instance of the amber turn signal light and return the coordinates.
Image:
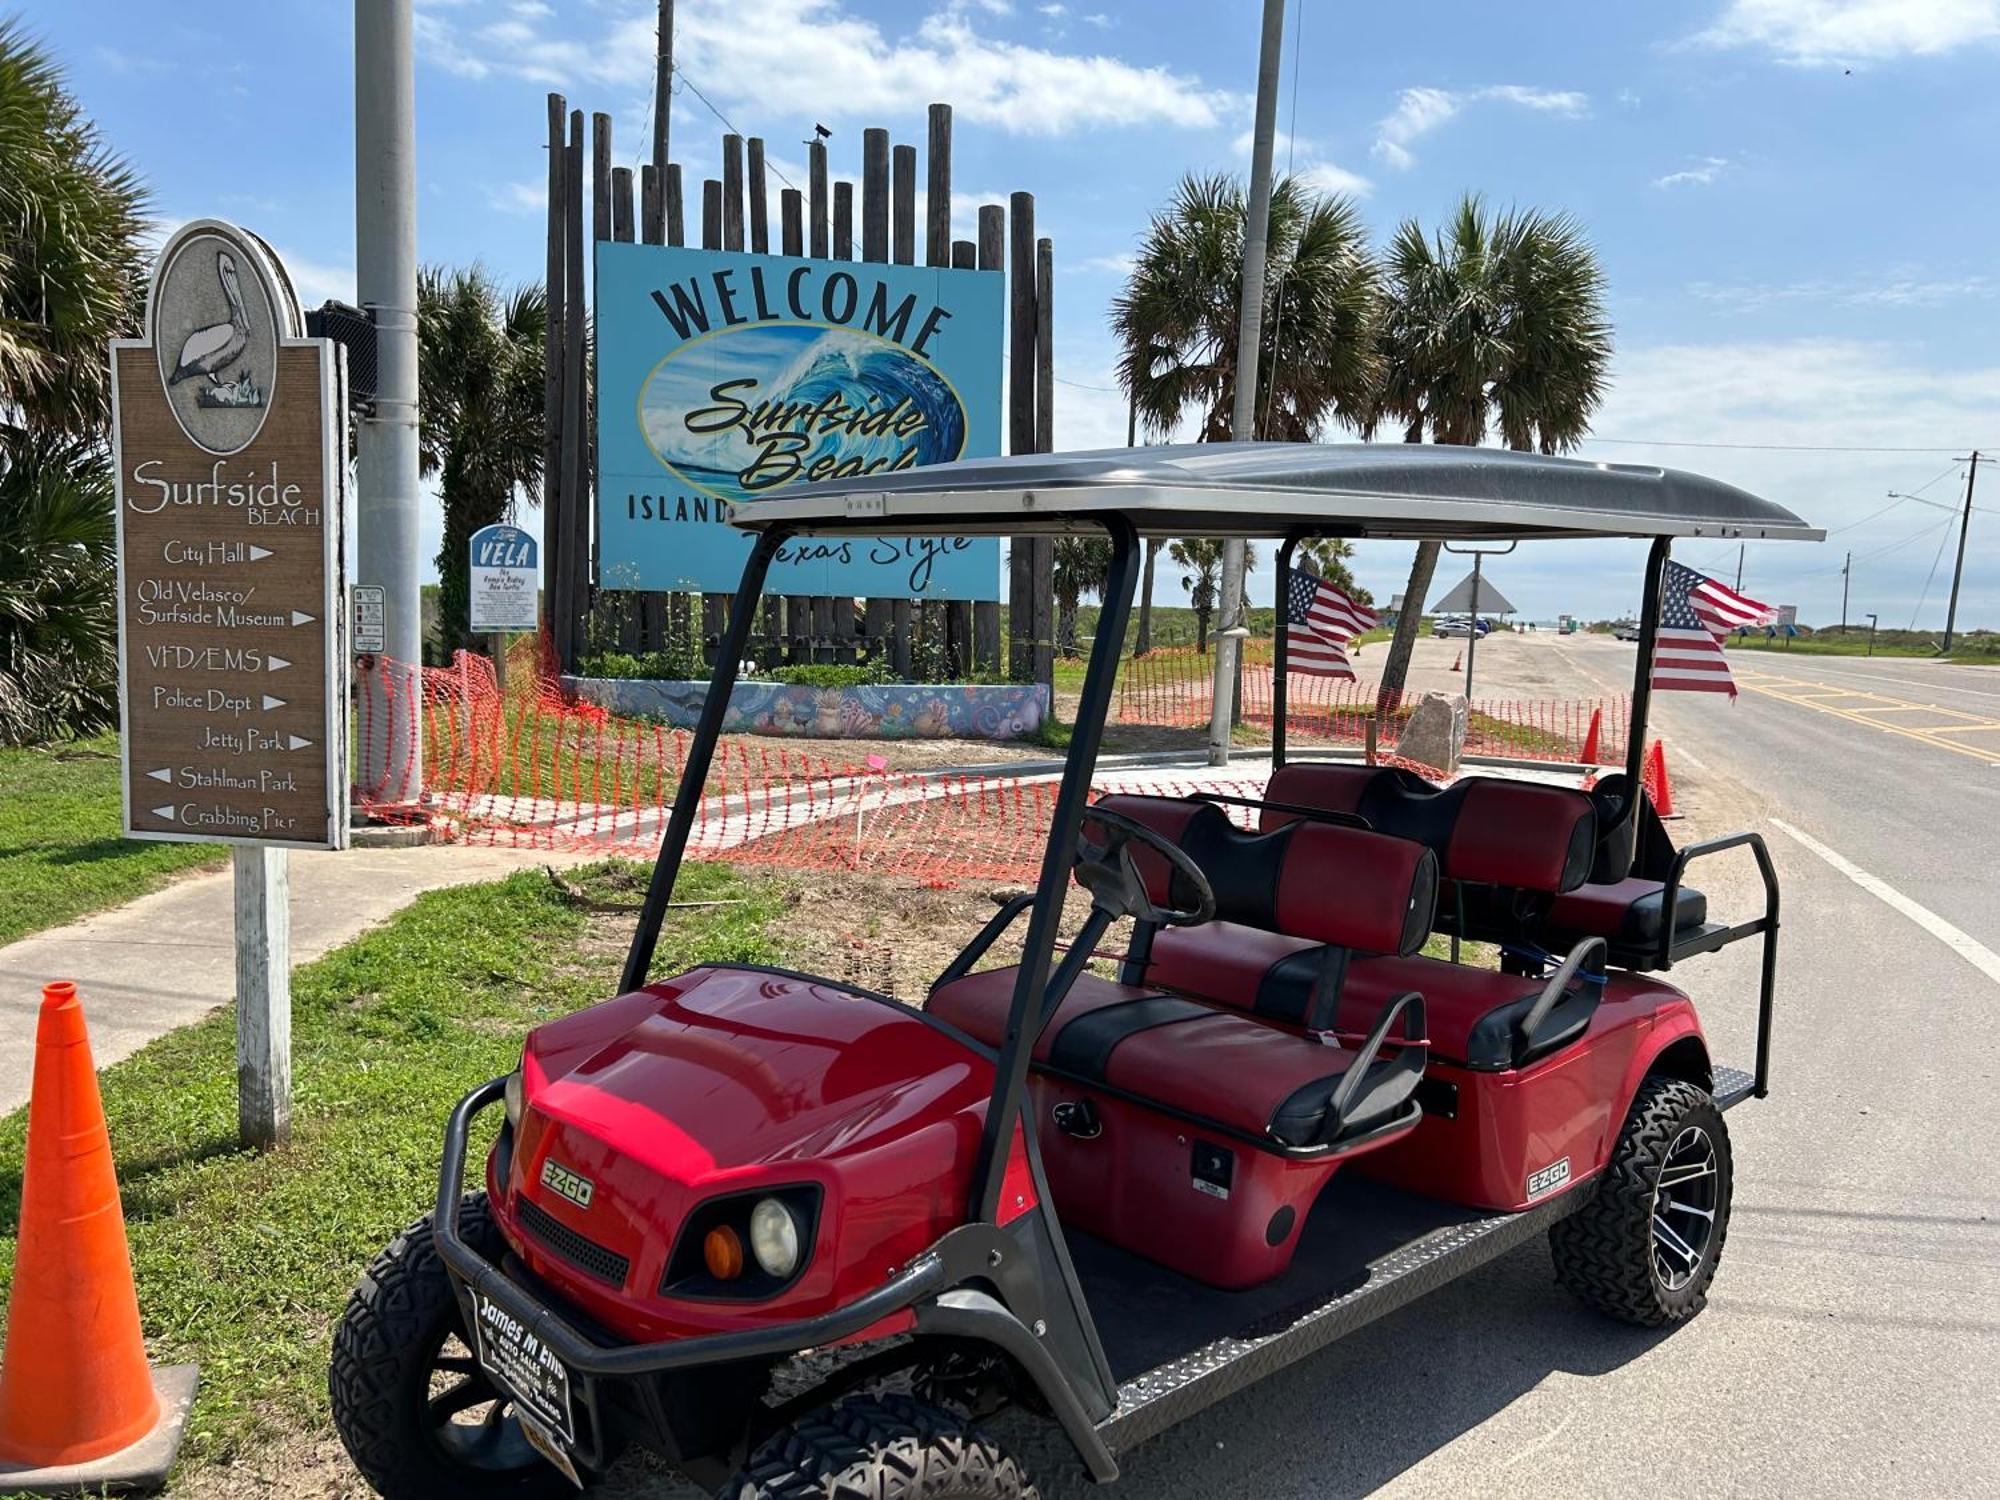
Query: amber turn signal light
(722, 1249)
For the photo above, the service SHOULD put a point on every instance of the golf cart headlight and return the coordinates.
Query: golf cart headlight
(774, 1238)
(512, 1099)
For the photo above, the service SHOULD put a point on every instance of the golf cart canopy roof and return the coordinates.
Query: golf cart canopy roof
(1411, 491)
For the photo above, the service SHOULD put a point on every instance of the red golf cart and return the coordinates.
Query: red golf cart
(798, 1238)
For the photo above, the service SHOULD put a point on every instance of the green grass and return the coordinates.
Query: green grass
(1976, 647)
(60, 853)
(244, 1261)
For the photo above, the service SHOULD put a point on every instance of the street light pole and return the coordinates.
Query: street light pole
(1846, 572)
(1958, 568)
(1249, 340)
(385, 235)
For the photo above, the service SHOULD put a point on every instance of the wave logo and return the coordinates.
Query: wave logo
(745, 411)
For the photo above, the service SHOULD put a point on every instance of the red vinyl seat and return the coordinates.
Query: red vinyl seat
(1223, 1072)
(1628, 913)
(1522, 854)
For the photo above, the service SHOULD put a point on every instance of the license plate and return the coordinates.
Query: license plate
(527, 1369)
(550, 1447)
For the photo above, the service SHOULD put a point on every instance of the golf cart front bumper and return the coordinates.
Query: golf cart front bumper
(615, 1387)
(594, 1361)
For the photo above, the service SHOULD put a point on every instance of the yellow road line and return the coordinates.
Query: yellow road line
(1859, 716)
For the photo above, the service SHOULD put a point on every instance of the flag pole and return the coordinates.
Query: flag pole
(1642, 681)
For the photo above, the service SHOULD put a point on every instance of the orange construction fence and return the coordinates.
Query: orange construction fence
(536, 767)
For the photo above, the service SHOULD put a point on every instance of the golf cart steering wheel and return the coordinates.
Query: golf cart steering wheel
(1117, 889)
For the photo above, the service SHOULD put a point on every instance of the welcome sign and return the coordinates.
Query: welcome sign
(724, 378)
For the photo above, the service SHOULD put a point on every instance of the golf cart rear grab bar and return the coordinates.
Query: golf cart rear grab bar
(1766, 924)
(923, 1277)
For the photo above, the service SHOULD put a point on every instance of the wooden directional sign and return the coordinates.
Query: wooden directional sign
(231, 448)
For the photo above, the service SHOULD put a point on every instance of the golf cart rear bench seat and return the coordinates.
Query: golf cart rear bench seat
(1529, 863)
(1267, 969)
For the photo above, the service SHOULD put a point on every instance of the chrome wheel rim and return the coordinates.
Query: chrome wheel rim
(1685, 1197)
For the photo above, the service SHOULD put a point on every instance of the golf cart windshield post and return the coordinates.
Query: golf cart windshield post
(694, 775)
(1642, 674)
(1024, 1020)
(1280, 657)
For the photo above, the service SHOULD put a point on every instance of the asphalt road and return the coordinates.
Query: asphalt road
(1852, 1341)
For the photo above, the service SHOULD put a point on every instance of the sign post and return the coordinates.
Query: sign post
(502, 598)
(230, 447)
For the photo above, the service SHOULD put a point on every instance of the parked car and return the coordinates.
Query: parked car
(1457, 625)
(1626, 632)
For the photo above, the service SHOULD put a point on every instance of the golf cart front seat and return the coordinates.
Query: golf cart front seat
(1165, 1106)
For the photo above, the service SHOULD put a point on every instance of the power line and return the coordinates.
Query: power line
(681, 74)
(1769, 447)
(1943, 542)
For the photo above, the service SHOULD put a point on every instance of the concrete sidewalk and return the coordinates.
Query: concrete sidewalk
(169, 958)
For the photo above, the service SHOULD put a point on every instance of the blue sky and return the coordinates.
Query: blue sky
(1792, 198)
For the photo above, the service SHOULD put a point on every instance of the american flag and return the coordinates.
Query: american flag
(1320, 622)
(1696, 613)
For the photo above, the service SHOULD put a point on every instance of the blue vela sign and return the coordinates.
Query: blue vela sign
(724, 377)
(503, 580)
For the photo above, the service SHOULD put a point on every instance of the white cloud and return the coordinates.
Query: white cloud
(1701, 174)
(1898, 288)
(1116, 265)
(1834, 394)
(317, 281)
(826, 62)
(1302, 157)
(1830, 31)
(1325, 177)
(1419, 111)
(525, 198)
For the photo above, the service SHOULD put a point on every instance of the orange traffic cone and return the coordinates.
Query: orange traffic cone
(1456, 660)
(1656, 783)
(1591, 747)
(79, 1408)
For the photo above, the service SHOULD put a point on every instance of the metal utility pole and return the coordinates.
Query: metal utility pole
(1846, 573)
(1739, 567)
(1249, 340)
(385, 242)
(1958, 568)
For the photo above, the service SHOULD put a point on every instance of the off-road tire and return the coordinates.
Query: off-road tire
(881, 1448)
(1604, 1252)
(379, 1376)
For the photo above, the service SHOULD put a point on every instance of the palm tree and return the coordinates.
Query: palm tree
(1326, 556)
(1201, 557)
(1495, 319)
(72, 269)
(71, 278)
(1083, 563)
(480, 429)
(58, 586)
(1177, 318)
